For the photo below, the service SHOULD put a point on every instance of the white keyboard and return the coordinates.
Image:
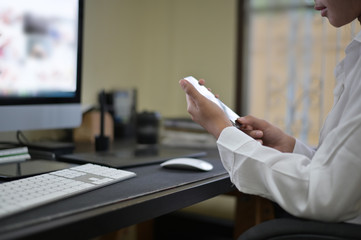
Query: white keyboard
(23, 194)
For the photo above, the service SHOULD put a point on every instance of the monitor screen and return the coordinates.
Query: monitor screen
(40, 64)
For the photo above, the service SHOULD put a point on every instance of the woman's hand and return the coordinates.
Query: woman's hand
(266, 133)
(203, 111)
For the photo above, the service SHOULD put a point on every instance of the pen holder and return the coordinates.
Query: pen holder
(101, 143)
(147, 128)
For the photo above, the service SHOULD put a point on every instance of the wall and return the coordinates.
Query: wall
(150, 45)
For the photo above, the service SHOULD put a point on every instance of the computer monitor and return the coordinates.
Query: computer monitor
(40, 64)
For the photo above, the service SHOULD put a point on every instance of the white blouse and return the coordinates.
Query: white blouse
(322, 184)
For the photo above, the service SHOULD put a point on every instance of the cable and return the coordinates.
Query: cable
(19, 136)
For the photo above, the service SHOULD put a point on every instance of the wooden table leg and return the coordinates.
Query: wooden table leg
(250, 211)
(145, 230)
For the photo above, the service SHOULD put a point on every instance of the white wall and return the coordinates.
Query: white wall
(151, 44)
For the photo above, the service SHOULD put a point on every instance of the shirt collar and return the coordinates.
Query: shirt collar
(355, 42)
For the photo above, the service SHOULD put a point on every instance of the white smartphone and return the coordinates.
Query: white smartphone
(205, 92)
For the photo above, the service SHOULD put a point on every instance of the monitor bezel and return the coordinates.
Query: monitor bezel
(11, 101)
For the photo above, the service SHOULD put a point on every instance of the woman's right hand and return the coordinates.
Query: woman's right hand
(203, 111)
(266, 133)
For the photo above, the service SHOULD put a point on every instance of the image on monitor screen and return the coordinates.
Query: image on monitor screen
(40, 64)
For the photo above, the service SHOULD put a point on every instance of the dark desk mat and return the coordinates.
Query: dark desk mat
(128, 157)
(149, 179)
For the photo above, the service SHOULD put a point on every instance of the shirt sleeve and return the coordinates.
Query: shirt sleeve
(326, 188)
(303, 149)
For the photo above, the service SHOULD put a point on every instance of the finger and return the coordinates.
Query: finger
(190, 102)
(191, 105)
(256, 134)
(203, 82)
(253, 133)
(253, 121)
(244, 127)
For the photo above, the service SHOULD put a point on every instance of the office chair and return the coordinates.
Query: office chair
(297, 229)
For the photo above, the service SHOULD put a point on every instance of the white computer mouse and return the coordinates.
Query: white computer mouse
(187, 163)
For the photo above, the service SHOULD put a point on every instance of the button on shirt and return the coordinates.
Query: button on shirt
(322, 184)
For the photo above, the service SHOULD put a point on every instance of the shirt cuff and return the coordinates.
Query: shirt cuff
(233, 137)
(301, 148)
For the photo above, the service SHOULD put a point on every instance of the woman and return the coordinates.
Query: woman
(323, 183)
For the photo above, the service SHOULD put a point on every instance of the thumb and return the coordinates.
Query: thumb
(189, 88)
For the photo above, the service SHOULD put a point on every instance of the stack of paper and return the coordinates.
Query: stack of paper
(183, 132)
(14, 154)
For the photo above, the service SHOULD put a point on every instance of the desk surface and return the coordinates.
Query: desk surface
(154, 192)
